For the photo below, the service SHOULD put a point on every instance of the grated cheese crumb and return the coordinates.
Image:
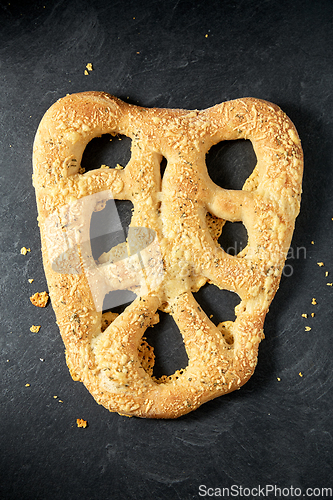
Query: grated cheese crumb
(25, 250)
(314, 302)
(304, 315)
(300, 374)
(81, 423)
(307, 328)
(39, 299)
(35, 328)
(320, 264)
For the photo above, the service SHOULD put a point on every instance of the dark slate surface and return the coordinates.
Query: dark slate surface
(168, 54)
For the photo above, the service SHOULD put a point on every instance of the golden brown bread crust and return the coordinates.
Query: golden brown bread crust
(109, 355)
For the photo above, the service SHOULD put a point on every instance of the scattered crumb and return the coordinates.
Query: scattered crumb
(312, 242)
(25, 250)
(35, 328)
(206, 36)
(314, 302)
(312, 315)
(81, 423)
(304, 315)
(118, 167)
(320, 264)
(55, 397)
(278, 379)
(326, 274)
(104, 166)
(89, 68)
(41, 359)
(27, 385)
(307, 328)
(300, 374)
(40, 299)
(329, 284)
(60, 401)
(30, 280)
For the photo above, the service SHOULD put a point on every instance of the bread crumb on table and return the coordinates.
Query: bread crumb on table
(89, 68)
(35, 328)
(39, 299)
(25, 250)
(81, 423)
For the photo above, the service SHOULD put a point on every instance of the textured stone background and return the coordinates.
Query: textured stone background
(167, 54)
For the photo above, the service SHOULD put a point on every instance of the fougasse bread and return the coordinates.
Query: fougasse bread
(172, 244)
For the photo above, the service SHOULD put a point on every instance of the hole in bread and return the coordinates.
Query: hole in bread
(115, 302)
(163, 165)
(106, 150)
(230, 163)
(167, 343)
(125, 211)
(219, 305)
(233, 238)
(109, 226)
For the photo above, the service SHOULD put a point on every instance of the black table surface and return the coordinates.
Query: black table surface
(276, 432)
